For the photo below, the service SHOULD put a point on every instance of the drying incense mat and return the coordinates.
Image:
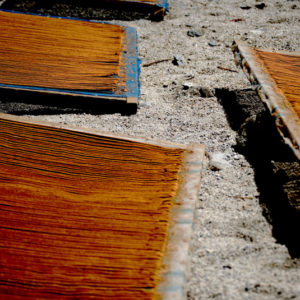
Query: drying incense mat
(159, 3)
(94, 9)
(67, 56)
(160, 6)
(88, 215)
(276, 77)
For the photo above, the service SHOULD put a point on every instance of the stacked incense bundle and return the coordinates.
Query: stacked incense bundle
(90, 216)
(277, 78)
(285, 70)
(113, 9)
(68, 56)
(141, 1)
(160, 4)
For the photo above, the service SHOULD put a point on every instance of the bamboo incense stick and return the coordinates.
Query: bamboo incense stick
(285, 70)
(84, 215)
(276, 76)
(53, 53)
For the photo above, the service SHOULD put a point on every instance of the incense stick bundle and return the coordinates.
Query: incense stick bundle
(277, 78)
(63, 55)
(147, 6)
(159, 4)
(85, 215)
(285, 70)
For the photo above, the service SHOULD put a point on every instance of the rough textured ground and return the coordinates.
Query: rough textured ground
(234, 254)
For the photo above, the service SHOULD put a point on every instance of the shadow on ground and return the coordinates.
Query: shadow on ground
(24, 102)
(277, 171)
(89, 9)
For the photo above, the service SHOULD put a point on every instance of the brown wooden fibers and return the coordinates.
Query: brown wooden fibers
(60, 54)
(285, 70)
(82, 215)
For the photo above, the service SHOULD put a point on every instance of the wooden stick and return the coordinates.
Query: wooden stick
(156, 62)
(226, 69)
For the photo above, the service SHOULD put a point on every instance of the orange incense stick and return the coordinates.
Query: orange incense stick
(65, 55)
(84, 215)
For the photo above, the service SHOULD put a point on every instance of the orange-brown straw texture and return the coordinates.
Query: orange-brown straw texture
(285, 70)
(60, 54)
(82, 215)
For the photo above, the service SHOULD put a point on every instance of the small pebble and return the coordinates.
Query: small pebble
(178, 60)
(189, 77)
(217, 161)
(260, 5)
(246, 7)
(193, 33)
(227, 267)
(206, 92)
(257, 31)
(187, 85)
(212, 43)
